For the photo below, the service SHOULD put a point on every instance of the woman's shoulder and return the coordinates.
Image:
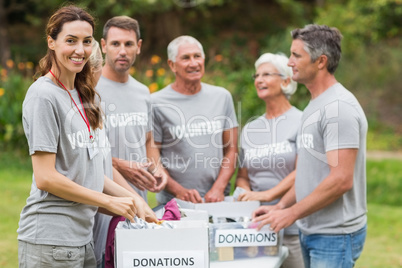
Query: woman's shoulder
(256, 122)
(43, 88)
(43, 85)
(294, 111)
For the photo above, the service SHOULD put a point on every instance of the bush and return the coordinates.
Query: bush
(232, 68)
(13, 86)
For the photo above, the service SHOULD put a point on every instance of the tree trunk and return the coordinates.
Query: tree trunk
(320, 3)
(5, 53)
(161, 28)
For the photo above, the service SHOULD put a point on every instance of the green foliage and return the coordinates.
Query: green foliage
(134, 7)
(154, 72)
(382, 137)
(363, 22)
(384, 182)
(233, 70)
(370, 66)
(12, 93)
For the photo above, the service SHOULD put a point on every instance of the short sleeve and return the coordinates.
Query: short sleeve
(155, 124)
(341, 126)
(41, 125)
(231, 119)
(149, 115)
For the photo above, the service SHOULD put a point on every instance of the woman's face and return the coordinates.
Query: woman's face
(73, 46)
(268, 81)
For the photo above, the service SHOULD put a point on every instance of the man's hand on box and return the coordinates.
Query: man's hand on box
(251, 196)
(214, 196)
(161, 179)
(136, 173)
(191, 195)
(277, 218)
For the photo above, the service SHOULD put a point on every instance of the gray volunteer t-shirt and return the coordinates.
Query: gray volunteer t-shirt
(102, 221)
(334, 120)
(127, 108)
(268, 152)
(190, 129)
(52, 124)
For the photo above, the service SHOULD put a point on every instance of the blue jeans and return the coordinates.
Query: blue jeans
(332, 251)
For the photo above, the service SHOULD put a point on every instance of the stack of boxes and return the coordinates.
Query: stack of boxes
(211, 233)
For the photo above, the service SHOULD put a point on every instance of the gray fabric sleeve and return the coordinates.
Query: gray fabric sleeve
(41, 125)
(231, 121)
(156, 126)
(341, 126)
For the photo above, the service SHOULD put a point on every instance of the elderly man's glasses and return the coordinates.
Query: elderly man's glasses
(266, 75)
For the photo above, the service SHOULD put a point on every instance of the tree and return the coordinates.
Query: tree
(363, 23)
(4, 40)
(20, 11)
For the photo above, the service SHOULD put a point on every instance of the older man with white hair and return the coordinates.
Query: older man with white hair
(195, 128)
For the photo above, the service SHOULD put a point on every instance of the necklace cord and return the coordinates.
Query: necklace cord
(84, 118)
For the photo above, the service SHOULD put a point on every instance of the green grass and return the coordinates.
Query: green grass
(384, 184)
(15, 181)
(383, 245)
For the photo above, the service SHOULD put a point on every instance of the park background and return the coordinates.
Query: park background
(234, 33)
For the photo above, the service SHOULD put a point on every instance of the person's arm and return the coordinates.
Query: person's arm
(242, 179)
(159, 173)
(338, 182)
(271, 194)
(262, 215)
(143, 209)
(48, 179)
(178, 191)
(136, 173)
(228, 165)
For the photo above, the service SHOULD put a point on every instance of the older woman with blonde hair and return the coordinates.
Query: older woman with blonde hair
(268, 144)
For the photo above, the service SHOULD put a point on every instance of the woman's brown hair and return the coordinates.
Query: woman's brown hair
(84, 80)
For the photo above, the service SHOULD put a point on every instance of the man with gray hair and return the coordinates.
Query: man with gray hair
(328, 199)
(195, 128)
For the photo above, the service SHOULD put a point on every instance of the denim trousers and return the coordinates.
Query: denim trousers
(332, 250)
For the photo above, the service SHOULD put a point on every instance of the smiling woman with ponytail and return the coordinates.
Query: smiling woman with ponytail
(68, 182)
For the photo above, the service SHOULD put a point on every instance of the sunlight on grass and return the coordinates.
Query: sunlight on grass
(382, 248)
(383, 245)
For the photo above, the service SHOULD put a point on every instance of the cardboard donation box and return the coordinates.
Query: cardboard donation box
(232, 234)
(186, 245)
(236, 240)
(228, 209)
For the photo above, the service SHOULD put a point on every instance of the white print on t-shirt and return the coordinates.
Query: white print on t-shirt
(126, 119)
(196, 129)
(305, 141)
(268, 149)
(79, 139)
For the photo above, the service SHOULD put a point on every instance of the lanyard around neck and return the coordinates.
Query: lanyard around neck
(91, 138)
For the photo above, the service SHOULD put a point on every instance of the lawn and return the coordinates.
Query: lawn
(384, 183)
